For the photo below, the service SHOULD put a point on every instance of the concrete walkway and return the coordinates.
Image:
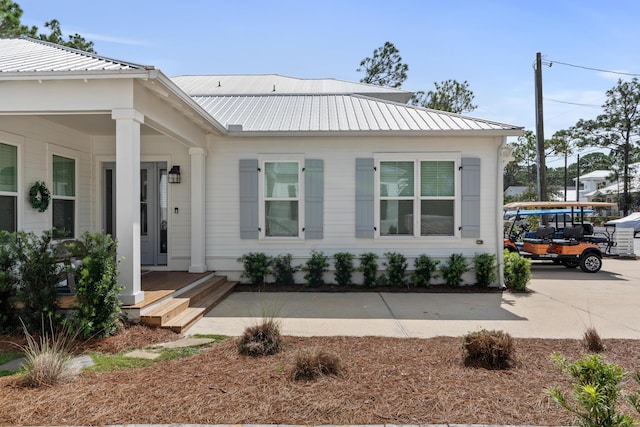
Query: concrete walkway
(562, 304)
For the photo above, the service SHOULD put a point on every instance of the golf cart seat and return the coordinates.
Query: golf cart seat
(543, 235)
(571, 236)
(589, 236)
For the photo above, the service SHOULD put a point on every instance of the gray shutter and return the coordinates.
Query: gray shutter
(249, 199)
(313, 198)
(470, 225)
(365, 179)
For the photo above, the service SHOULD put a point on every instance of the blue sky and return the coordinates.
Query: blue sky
(490, 43)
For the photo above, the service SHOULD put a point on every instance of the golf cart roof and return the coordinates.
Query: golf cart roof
(532, 212)
(550, 205)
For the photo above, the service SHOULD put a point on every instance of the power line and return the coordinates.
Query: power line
(592, 68)
(572, 103)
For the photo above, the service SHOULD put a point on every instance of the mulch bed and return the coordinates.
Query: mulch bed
(386, 380)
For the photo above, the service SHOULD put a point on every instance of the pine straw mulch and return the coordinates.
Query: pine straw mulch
(386, 380)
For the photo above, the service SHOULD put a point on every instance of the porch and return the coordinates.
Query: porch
(172, 299)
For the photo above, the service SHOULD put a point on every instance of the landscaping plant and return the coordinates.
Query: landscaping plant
(97, 311)
(282, 270)
(315, 268)
(592, 340)
(343, 264)
(488, 349)
(312, 364)
(255, 267)
(517, 271)
(39, 274)
(595, 394)
(453, 269)
(425, 270)
(261, 340)
(395, 270)
(369, 268)
(486, 269)
(8, 282)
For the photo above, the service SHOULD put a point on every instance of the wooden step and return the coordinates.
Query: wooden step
(191, 315)
(165, 311)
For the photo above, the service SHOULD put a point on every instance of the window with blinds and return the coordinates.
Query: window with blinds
(63, 196)
(8, 187)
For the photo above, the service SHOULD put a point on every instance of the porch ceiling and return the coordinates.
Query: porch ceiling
(93, 124)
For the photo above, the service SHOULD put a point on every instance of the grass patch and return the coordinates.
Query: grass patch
(179, 353)
(215, 337)
(117, 362)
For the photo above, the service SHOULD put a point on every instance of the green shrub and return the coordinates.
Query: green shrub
(486, 269)
(261, 340)
(595, 391)
(395, 270)
(369, 268)
(453, 270)
(425, 270)
(517, 271)
(282, 270)
(343, 262)
(8, 282)
(312, 364)
(488, 349)
(256, 267)
(97, 288)
(39, 274)
(315, 268)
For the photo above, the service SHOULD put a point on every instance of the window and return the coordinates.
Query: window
(417, 197)
(8, 187)
(281, 198)
(63, 197)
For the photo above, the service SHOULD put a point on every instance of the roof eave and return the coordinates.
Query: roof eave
(74, 74)
(382, 133)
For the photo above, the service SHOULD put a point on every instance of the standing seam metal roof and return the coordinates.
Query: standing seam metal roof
(304, 113)
(25, 55)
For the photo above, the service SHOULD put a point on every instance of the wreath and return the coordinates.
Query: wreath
(39, 196)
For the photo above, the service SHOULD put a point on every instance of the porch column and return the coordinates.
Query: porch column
(198, 195)
(128, 122)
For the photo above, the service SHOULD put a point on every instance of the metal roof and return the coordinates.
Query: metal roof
(267, 84)
(307, 113)
(26, 55)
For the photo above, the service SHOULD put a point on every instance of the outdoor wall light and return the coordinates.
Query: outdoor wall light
(174, 175)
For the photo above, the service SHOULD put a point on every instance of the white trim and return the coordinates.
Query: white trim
(19, 169)
(275, 158)
(55, 150)
(416, 158)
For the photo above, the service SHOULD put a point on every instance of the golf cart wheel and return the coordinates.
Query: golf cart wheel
(570, 263)
(590, 263)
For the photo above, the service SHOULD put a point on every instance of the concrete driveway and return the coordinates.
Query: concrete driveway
(562, 304)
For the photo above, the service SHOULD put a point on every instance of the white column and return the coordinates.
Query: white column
(198, 195)
(128, 202)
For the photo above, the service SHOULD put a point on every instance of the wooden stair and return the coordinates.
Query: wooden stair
(180, 312)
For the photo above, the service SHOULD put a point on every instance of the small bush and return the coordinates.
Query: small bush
(425, 270)
(517, 271)
(453, 270)
(488, 349)
(315, 268)
(592, 340)
(343, 262)
(97, 288)
(486, 269)
(314, 364)
(8, 282)
(255, 267)
(261, 340)
(369, 268)
(47, 358)
(595, 392)
(39, 275)
(282, 270)
(395, 270)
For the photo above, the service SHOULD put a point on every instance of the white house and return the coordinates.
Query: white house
(266, 163)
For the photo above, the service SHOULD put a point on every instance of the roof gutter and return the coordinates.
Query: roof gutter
(236, 130)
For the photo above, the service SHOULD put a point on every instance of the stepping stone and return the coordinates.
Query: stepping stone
(13, 365)
(80, 362)
(142, 354)
(185, 342)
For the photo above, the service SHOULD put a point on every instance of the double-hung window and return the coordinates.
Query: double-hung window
(63, 197)
(281, 198)
(417, 197)
(8, 187)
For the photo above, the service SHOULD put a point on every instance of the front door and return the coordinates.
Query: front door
(153, 209)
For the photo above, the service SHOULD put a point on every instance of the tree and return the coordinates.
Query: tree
(562, 143)
(385, 68)
(618, 129)
(11, 26)
(449, 95)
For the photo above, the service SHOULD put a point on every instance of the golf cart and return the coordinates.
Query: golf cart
(561, 234)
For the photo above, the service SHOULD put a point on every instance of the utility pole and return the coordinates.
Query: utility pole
(542, 168)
